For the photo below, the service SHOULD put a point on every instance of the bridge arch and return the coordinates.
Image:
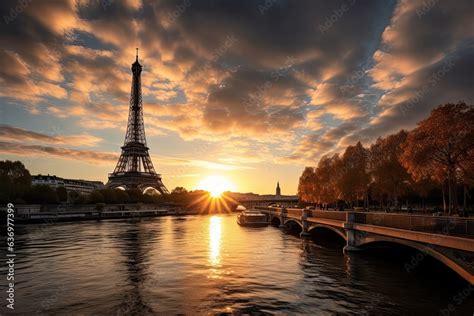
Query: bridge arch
(316, 228)
(424, 249)
(293, 226)
(291, 221)
(275, 221)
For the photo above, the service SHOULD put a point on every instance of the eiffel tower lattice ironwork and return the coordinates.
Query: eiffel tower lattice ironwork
(134, 168)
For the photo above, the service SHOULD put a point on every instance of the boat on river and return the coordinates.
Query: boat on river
(252, 218)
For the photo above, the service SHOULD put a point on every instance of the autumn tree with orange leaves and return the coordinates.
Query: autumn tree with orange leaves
(354, 181)
(307, 186)
(439, 151)
(441, 147)
(326, 176)
(390, 179)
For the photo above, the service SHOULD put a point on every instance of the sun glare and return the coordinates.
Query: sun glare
(215, 185)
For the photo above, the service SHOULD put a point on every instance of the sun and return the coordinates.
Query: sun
(215, 185)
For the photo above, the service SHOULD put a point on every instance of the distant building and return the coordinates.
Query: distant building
(287, 200)
(242, 196)
(79, 186)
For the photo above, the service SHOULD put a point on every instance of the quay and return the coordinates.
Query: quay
(63, 213)
(448, 239)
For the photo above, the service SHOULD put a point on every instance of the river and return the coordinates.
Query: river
(209, 265)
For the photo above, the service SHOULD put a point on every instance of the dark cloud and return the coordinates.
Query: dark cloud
(449, 80)
(251, 101)
(265, 43)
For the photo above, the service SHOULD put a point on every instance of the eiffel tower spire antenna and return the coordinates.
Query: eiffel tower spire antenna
(134, 169)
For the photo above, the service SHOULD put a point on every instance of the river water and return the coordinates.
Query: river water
(209, 265)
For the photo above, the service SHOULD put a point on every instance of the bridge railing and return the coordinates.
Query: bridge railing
(335, 215)
(294, 212)
(429, 224)
(298, 212)
(267, 208)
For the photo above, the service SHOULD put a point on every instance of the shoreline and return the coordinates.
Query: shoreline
(34, 214)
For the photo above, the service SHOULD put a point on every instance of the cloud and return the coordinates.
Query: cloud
(428, 64)
(32, 40)
(418, 37)
(91, 157)
(210, 165)
(18, 134)
(423, 60)
(318, 144)
(15, 80)
(94, 115)
(449, 80)
(241, 90)
(266, 86)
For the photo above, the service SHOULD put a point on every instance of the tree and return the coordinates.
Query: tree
(41, 194)
(81, 199)
(96, 197)
(179, 190)
(389, 176)
(15, 180)
(109, 195)
(74, 197)
(121, 196)
(136, 196)
(179, 195)
(441, 146)
(306, 186)
(325, 186)
(423, 188)
(467, 175)
(354, 179)
(62, 194)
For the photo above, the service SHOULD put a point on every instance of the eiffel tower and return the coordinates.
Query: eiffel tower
(134, 168)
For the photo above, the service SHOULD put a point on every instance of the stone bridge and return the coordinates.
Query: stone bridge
(448, 239)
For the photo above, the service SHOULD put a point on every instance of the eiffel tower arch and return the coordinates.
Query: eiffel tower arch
(134, 168)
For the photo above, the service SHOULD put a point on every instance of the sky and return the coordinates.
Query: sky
(253, 91)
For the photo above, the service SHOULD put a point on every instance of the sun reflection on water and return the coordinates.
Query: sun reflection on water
(214, 240)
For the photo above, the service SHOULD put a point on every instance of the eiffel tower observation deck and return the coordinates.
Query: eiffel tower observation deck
(134, 168)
